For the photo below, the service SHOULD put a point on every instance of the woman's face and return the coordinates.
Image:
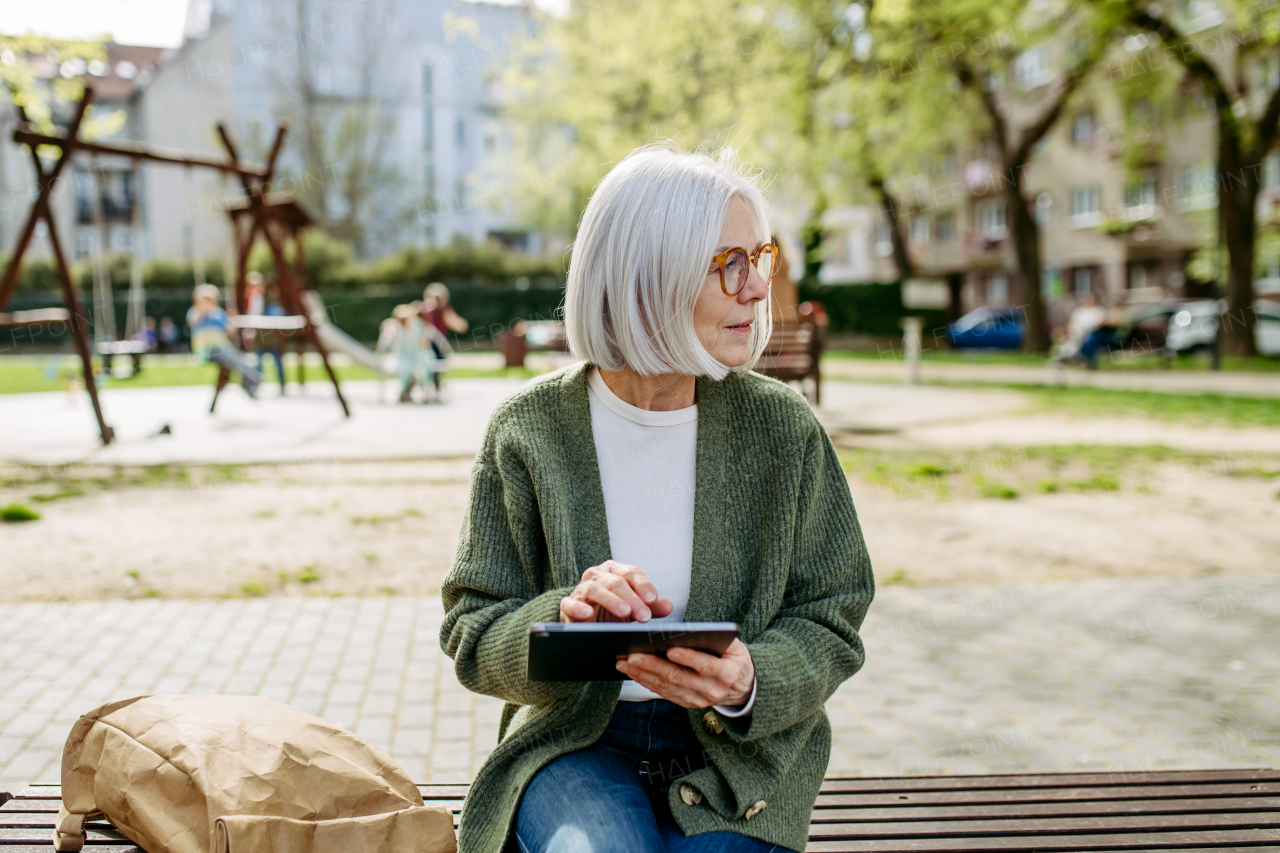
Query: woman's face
(724, 323)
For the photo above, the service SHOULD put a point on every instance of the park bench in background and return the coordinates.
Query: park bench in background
(1149, 811)
(794, 352)
(528, 336)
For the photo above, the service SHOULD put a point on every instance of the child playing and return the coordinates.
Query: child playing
(407, 344)
(209, 341)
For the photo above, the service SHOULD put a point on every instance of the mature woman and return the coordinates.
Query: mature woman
(660, 479)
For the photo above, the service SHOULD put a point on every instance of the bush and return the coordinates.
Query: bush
(870, 309)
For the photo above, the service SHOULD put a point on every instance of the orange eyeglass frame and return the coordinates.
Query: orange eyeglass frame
(722, 259)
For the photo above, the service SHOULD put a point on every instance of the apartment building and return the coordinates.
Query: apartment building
(1124, 192)
(428, 65)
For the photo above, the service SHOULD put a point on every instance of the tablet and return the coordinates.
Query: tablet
(589, 651)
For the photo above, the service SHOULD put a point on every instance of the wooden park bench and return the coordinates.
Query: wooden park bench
(794, 352)
(1234, 810)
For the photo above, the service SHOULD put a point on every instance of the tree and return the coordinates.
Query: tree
(609, 77)
(1009, 79)
(338, 103)
(1246, 134)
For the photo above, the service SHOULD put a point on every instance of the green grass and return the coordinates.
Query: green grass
(17, 513)
(1008, 474)
(1195, 408)
(1197, 362)
(28, 374)
(45, 485)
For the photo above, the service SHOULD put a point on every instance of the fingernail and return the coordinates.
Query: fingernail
(624, 610)
(634, 659)
(642, 616)
(622, 666)
(650, 596)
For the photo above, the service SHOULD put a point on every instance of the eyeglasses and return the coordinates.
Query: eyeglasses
(735, 265)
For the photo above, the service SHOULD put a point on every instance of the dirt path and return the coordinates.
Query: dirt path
(391, 527)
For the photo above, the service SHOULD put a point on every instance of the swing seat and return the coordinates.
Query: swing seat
(122, 347)
(269, 322)
(39, 316)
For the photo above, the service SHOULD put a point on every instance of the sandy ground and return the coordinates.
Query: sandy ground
(391, 528)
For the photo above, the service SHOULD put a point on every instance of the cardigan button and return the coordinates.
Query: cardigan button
(689, 794)
(712, 723)
(756, 809)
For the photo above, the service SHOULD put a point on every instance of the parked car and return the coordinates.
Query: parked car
(1146, 325)
(1195, 326)
(988, 328)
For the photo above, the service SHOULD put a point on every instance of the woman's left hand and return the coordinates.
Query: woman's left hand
(694, 679)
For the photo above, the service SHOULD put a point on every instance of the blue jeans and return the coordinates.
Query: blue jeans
(612, 796)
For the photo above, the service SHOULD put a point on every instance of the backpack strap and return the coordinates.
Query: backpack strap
(69, 835)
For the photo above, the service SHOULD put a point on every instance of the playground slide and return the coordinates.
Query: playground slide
(336, 339)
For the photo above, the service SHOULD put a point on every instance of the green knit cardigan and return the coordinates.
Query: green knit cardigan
(776, 548)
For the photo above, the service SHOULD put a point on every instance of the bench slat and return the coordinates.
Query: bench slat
(1216, 840)
(1166, 810)
(907, 813)
(992, 796)
(1056, 825)
(1056, 780)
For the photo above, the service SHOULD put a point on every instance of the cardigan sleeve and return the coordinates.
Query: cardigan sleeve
(491, 595)
(812, 645)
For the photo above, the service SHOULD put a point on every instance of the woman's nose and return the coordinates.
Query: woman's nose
(756, 287)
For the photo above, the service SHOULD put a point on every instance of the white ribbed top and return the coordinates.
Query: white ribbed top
(647, 472)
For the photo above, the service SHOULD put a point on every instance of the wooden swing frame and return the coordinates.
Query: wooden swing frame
(272, 218)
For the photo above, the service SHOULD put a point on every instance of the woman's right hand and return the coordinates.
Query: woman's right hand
(613, 592)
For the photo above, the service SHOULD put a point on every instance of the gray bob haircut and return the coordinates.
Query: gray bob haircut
(642, 254)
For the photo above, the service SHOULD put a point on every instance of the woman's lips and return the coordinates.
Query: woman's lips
(741, 328)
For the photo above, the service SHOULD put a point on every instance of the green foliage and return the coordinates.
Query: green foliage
(17, 513)
(872, 309)
(47, 99)
(608, 77)
(463, 260)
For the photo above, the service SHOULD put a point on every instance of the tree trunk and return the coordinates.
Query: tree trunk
(1238, 195)
(1026, 244)
(889, 209)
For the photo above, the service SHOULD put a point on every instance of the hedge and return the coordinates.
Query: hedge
(870, 309)
(487, 307)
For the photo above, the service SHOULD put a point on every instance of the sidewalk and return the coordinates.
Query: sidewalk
(959, 679)
(1240, 384)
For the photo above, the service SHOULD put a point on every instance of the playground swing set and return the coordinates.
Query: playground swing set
(274, 218)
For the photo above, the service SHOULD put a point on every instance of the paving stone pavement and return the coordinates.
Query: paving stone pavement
(1117, 675)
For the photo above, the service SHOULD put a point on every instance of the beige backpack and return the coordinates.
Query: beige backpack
(238, 774)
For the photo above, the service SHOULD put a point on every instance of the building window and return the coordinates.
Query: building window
(1270, 280)
(919, 232)
(1082, 280)
(884, 240)
(1083, 128)
(947, 161)
(1044, 206)
(1198, 187)
(991, 220)
(1271, 72)
(1031, 68)
(1085, 208)
(946, 225)
(1140, 196)
(998, 290)
(1138, 277)
(1271, 171)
